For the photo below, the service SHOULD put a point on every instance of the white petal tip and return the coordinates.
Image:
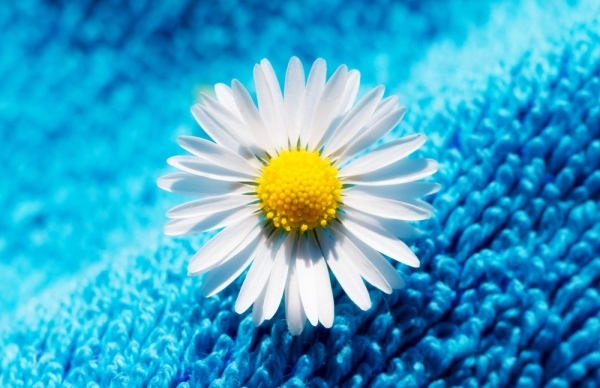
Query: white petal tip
(239, 310)
(183, 141)
(295, 331)
(399, 286)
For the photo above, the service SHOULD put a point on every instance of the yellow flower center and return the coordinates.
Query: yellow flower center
(299, 190)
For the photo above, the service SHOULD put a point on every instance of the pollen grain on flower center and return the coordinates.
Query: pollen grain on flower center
(299, 190)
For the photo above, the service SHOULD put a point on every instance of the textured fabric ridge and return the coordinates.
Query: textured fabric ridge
(508, 289)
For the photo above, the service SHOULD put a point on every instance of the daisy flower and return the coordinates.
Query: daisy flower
(295, 195)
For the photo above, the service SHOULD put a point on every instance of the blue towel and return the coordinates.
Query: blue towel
(93, 94)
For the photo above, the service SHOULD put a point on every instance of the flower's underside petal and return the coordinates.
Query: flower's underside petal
(327, 108)
(270, 110)
(422, 204)
(225, 97)
(227, 272)
(353, 121)
(346, 102)
(384, 155)
(210, 205)
(312, 94)
(294, 310)
(258, 308)
(217, 154)
(278, 277)
(258, 275)
(347, 275)
(402, 171)
(280, 130)
(385, 208)
(293, 97)
(234, 126)
(207, 222)
(198, 166)
(383, 109)
(199, 186)
(306, 281)
(398, 228)
(392, 277)
(350, 92)
(217, 249)
(252, 117)
(356, 258)
(325, 294)
(371, 135)
(401, 192)
(215, 128)
(369, 230)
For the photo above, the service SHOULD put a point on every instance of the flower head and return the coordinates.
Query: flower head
(286, 183)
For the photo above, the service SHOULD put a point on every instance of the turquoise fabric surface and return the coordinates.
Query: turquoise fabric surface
(94, 93)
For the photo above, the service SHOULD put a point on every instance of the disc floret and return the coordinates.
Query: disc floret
(299, 190)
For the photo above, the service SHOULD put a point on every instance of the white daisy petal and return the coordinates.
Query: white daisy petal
(385, 155)
(421, 204)
(198, 166)
(215, 128)
(293, 97)
(225, 97)
(216, 154)
(353, 121)
(252, 117)
(347, 275)
(270, 111)
(392, 277)
(312, 94)
(386, 208)
(356, 258)
(402, 171)
(234, 125)
(401, 192)
(327, 108)
(326, 305)
(350, 92)
(210, 205)
(281, 137)
(217, 249)
(371, 233)
(399, 228)
(207, 222)
(189, 184)
(306, 281)
(227, 272)
(371, 135)
(294, 311)
(346, 102)
(384, 108)
(258, 275)
(278, 276)
(258, 308)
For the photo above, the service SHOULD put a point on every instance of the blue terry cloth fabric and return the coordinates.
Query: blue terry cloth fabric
(93, 94)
